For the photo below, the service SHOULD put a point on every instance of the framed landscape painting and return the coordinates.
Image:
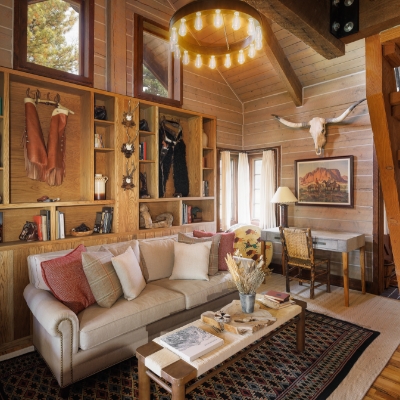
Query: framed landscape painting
(325, 181)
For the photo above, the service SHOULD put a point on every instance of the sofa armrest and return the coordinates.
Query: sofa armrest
(51, 314)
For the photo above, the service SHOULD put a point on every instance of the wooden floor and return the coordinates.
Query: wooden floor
(387, 384)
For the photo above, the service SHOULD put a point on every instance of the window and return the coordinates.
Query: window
(54, 38)
(255, 162)
(157, 75)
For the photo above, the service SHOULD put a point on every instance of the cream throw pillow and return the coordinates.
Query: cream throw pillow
(129, 273)
(191, 261)
(102, 278)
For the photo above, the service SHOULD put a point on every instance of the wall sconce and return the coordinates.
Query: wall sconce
(284, 196)
(344, 17)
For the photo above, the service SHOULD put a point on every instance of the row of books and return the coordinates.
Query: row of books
(42, 222)
(186, 213)
(142, 151)
(103, 221)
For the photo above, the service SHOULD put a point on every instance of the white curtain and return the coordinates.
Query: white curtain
(226, 190)
(267, 212)
(243, 189)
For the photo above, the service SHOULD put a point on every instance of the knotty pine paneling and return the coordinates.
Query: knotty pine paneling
(100, 44)
(351, 137)
(6, 33)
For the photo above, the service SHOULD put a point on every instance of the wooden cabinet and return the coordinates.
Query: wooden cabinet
(83, 160)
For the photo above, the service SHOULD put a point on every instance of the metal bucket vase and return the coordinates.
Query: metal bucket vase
(247, 302)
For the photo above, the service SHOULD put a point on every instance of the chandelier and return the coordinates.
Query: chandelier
(215, 31)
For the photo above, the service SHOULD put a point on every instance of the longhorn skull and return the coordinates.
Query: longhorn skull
(317, 126)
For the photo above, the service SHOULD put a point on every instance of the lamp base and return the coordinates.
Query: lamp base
(284, 216)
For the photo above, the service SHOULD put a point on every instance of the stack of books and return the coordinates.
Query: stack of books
(186, 214)
(275, 299)
(42, 222)
(142, 151)
(103, 222)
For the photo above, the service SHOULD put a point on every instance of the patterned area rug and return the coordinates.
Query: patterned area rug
(275, 370)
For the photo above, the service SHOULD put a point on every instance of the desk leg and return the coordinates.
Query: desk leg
(345, 262)
(362, 266)
(144, 381)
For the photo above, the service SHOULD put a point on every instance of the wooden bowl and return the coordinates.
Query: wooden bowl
(87, 233)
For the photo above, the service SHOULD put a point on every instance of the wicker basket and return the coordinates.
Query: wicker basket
(87, 233)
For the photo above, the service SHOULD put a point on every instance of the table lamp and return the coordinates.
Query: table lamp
(284, 196)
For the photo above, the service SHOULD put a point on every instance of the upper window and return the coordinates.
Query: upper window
(157, 74)
(55, 38)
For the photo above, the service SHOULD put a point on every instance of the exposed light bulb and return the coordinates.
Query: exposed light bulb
(258, 38)
(171, 45)
(174, 36)
(251, 29)
(198, 22)
(198, 61)
(212, 64)
(182, 27)
(252, 51)
(185, 58)
(241, 58)
(236, 21)
(177, 54)
(218, 21)
(228, 61)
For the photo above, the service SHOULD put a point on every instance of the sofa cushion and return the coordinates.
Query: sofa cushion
(157, 258)
(67, 281)
(213, 256)
(98, 325)
(191, 261)
(199, 292)
(102, 278)
(225, 246)
(120, 247)
(129, 273)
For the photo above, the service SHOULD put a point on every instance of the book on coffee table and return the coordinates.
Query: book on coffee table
(278, 296)
(191, 342)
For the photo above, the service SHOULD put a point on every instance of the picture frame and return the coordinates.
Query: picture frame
(325, 181)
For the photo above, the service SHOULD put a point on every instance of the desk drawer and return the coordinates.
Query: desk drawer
(325, 244)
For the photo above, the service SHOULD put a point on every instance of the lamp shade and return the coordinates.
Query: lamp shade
(283, 196)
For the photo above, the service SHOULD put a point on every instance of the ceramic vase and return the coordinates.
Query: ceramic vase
(100, 186)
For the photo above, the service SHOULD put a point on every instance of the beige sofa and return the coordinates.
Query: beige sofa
(76, 346)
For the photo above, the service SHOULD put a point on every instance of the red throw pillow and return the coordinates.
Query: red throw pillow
(225, 246)
(67, 281)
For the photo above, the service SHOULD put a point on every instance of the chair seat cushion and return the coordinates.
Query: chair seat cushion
(98, 325)
(199, 292)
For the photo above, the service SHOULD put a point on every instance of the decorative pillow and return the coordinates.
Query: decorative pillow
(191, 261)
(102, 278)
(215, 240)
(120, 248)
(67, 281)
(129, 273)
(225, 246)
(157, 258)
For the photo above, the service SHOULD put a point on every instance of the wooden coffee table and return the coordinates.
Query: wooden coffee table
(174, 377)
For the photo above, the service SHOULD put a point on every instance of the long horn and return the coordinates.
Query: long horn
(291, 124)
(340, 118)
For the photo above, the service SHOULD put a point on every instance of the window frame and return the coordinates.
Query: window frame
(86, 51)
(176, 67)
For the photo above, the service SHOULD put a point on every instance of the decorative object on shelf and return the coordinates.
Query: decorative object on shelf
(127, 180)
(100, 112)
(231, 20)
(172, 150)
(29, 232)
(284, 197)
(205, 189)
(143, 125)
(163, 220)
(46, 199)
(325, 181)
(143, 192)
(128, 148)
(196, 214)
(98, 141)
(45, 164)
(247, 275)
(100, 186)
(205, 139)
(317, 126)
(81, 230)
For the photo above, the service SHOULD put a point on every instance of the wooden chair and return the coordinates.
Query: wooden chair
(298, 253)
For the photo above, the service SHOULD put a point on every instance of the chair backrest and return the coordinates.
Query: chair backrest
(248, 240)
(297, 243)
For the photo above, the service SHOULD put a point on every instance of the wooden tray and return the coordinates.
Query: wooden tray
(87, 233)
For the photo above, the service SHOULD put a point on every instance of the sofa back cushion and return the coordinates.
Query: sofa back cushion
(67, 281)
(157, 258)
(120, 248)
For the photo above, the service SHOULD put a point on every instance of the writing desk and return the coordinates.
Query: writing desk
(342, 242)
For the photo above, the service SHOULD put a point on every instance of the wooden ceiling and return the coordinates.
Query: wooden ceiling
(299, 50)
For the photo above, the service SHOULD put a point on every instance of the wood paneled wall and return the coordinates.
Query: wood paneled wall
(351, 137)
(6, 33)
(204, 90)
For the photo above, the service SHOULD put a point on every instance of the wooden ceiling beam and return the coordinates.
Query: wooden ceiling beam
(155, 67)
(306, 19)
(281, 64)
